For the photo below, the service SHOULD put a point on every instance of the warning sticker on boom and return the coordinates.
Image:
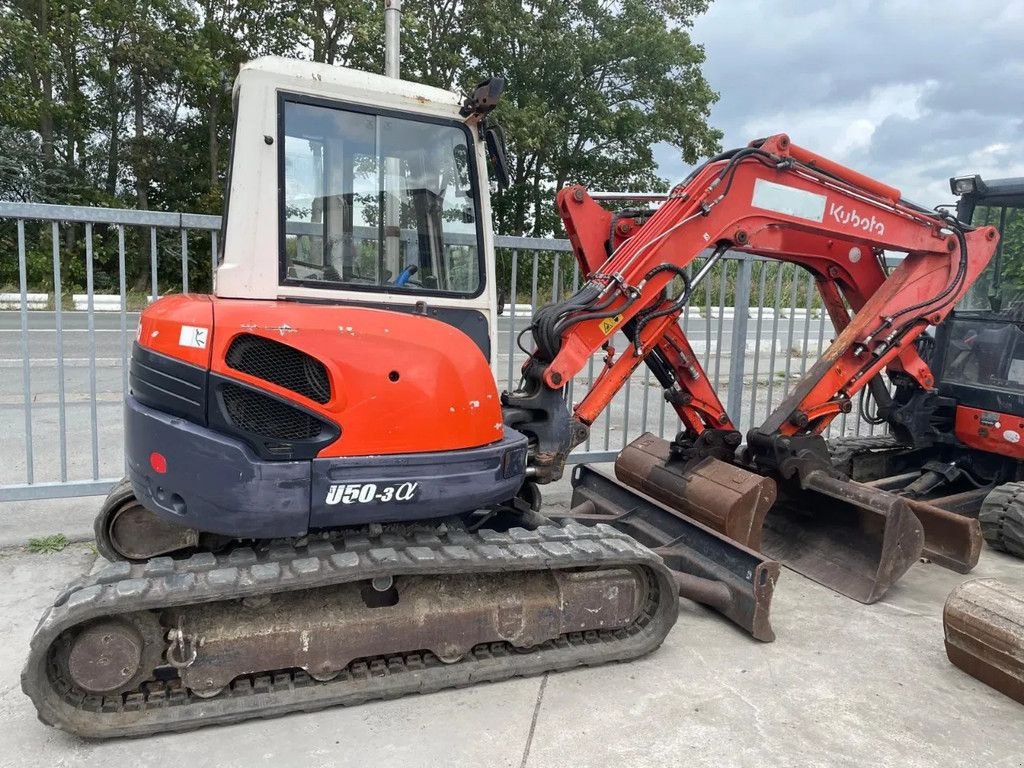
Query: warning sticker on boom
(788, 200)
(608, 324)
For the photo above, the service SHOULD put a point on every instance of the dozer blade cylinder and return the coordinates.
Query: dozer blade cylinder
(709, 568)
(950, 539)
(984, 628)
(844, 535)
(722, 496)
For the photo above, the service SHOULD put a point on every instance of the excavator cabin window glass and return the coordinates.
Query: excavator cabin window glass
(376, 201)
(1000, 288)
(984, 339)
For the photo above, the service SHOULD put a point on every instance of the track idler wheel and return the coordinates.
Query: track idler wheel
(126, 530)
(113, 655)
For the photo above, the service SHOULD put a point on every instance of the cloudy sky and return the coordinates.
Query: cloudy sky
(909, 91)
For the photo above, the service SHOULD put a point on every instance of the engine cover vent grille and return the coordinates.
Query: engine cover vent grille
(280, 364)
(262, 415)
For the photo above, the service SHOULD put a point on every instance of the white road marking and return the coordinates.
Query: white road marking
(53, 360)
(69, 362)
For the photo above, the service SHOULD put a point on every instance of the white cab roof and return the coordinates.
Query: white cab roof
(354, 85)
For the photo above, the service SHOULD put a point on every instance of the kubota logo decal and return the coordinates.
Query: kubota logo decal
(853, 219)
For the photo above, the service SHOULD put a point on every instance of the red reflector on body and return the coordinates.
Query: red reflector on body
(158, 462)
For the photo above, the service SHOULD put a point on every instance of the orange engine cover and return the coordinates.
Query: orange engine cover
(399, 382)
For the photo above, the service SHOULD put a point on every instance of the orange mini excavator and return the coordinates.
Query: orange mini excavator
(329, 501)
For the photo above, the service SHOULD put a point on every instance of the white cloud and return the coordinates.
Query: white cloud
(909, 91)
(839, 131)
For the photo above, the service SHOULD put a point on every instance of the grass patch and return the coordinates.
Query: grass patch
(47, 544)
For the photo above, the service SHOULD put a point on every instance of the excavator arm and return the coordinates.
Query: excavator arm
(773, 199)
(783, 202)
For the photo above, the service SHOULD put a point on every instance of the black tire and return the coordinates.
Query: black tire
(1002, 518)
(120, 495)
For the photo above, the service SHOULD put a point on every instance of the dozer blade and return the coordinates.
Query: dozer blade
(709, 568)
(722, 496)
(984, 627)
(173, 645)
(846, 536)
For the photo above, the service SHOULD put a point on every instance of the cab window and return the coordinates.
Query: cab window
(377, 202)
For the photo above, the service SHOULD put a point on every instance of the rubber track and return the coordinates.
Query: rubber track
(1002, 518)
(163, 583)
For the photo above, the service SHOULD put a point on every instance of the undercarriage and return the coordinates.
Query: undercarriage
(171, 645)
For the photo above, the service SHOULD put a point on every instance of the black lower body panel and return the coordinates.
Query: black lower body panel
(217, 484)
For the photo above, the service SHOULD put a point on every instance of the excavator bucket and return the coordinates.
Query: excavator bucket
(984, 627)
(722, 496)
(846, 536)
(850, 537)
(951, 540)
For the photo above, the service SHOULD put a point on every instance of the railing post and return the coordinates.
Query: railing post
(737, 361)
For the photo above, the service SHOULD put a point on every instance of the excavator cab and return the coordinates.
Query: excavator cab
(381, 195)
(342, 372)
(980, 348)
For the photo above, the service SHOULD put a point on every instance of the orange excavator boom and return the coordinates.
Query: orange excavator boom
(783, 202)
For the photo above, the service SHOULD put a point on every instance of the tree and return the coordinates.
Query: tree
(128, 102)
(1006, 287)
(593, 85)
(348, 33)
(41, 89)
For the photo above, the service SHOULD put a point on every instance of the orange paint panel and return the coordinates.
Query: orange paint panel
(989, 431)
(179, 326)
(400, 382)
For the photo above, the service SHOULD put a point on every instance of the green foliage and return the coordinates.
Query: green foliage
(128, 103)
(593, 85)
(45, 545)
(1008, 260)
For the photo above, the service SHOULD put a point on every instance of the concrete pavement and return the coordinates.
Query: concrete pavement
(843, 685)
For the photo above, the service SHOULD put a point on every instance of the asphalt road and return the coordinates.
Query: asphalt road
(94, 392)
